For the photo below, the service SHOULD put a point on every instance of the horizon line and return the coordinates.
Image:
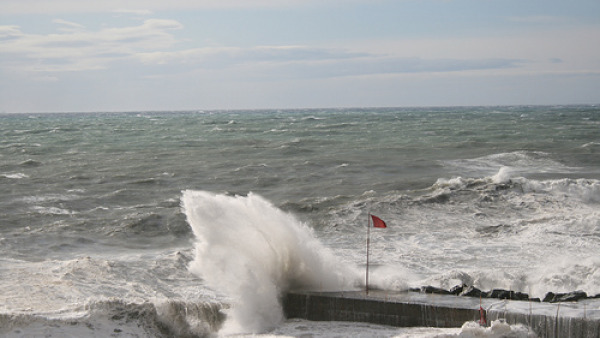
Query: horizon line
(214, 110)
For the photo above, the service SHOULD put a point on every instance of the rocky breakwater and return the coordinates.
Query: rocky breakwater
(471, 291)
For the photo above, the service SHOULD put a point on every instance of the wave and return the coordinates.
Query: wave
(586, 190)
(583, 190)
(170, 318)
(30, 163)
(152, 225)
(253, 252)
(14, 176)
(496, 231)
(591, 145)
(518, 161)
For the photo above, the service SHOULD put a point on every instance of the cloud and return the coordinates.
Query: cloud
(8, 7)
(375, 65)
(68, 25)
(221, 57)
(305, 62)
(150, 44)
(139, 12)
(154, 45)
(77, 49)
(538, 19)
(9, 34)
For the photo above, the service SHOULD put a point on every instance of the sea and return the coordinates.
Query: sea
(195, 223)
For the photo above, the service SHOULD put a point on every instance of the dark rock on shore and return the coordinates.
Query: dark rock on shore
(458, 289)
(565, 297)
(471, 291)
(433, 289)
(508, 294)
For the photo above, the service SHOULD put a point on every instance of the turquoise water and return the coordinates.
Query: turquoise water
(91, 203)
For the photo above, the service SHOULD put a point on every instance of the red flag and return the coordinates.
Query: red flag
(482, 319)
(378, 222)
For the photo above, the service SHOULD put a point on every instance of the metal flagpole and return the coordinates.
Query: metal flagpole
(368, 242)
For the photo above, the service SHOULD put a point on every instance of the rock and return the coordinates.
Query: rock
(507, 294)
(521, 296)
(472, 291)
(501, 294)
(433, 289)
(458, 289)
(549, 297)
(574, 296)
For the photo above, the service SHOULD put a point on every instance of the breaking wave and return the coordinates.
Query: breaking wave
(161, 319)
(253, 252)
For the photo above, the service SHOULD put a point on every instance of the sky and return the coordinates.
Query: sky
(151, 55)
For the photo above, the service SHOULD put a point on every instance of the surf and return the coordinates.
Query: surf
(253, 253)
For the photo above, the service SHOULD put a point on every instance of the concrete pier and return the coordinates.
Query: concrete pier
(411, 309)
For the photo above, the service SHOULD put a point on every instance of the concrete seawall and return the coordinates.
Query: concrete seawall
(410, 309)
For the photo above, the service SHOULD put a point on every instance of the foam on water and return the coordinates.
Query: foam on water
(519, 162)
(16, 176)
(135, 296)
(253, 253)
(499, 231)
(91, 209)
(115, 317)
(301, 328)
(497, 329)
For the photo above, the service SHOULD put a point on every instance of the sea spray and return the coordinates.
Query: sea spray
(498, 329)
(253, 253)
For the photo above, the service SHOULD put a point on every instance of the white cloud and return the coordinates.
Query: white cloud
(9, 33)
(68, 25)
(76, 49)
(541, 48)
(152, 43)
(274, 63)
(538, 19)
(219, 57)
(140, 12)
(8, 7)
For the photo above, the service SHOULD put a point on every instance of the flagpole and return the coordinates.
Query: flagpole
(368, 242)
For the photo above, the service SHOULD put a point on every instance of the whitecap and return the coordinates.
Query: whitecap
(53, 211)
(15, 176)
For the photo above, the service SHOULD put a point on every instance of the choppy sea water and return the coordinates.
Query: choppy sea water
(193, 223)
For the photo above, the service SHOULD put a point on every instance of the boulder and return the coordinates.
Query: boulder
(458, 289)
(574, 296)
(472, 291)
(433, 289)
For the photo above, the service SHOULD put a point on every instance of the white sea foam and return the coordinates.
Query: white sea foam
(585, 190)
(503, 175)
(499, 231)
(568, 274)
(15, 176)
(253, 252)
(519, 162)
(497, 329)
(53, 211)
